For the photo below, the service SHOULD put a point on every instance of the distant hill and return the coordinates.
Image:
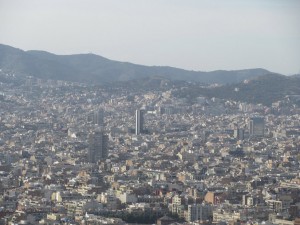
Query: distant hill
(96, 69)
(260, 90)
(265, 89)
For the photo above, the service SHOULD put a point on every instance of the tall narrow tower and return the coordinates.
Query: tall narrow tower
(98, 146)
(139, 121)
(98, 117)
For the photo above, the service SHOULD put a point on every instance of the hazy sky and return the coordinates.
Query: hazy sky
(191, 34)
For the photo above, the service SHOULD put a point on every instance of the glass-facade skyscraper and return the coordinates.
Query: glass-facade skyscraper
(257, 126)
(98, 146)
(139, 121)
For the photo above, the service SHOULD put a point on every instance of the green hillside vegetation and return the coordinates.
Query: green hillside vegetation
(262, 90)
(99, 70)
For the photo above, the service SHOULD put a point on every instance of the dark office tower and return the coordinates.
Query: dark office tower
(238, 134)
(139, 121)
(257, 126)
(98, 117)
(98, 148)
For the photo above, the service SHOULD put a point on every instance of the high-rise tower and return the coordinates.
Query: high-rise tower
(257, 126)
(98, 146)
(98, 117)
(139, 121)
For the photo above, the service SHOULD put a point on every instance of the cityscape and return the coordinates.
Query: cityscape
(138, 112)
(74, 153)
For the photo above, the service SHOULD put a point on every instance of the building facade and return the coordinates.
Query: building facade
(98, 117)
(98, 146)
(257, 126)
(139, 121)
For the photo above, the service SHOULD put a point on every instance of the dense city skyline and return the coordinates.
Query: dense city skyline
(69, 154)
(103, 138)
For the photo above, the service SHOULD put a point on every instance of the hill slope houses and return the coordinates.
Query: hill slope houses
(264, 90)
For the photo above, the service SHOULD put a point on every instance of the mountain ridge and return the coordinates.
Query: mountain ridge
(92, 68)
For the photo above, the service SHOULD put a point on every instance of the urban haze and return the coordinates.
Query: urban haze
(142, 112)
